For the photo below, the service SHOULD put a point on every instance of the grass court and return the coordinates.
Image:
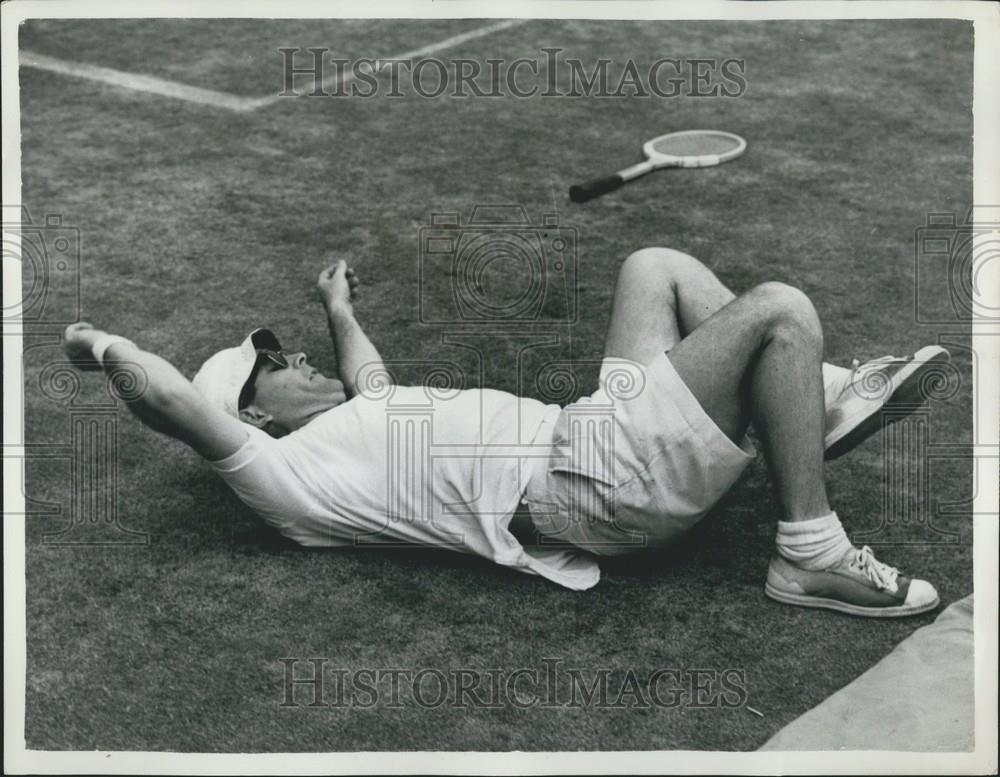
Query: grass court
(199, 223)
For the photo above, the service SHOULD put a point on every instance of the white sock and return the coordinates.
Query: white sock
(835, 380)
(816, 544)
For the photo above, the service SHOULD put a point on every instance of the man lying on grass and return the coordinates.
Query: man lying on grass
(632, 466)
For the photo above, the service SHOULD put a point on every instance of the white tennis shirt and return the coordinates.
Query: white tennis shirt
(410, 465)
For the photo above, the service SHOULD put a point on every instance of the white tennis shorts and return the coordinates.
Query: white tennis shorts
(634, 465)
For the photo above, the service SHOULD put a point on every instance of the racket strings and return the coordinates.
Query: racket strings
(695, 144)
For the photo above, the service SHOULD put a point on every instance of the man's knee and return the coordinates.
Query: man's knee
(658, 264)
(787, 310)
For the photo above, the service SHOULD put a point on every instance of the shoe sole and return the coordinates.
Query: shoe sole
(906, 393)
(802, 600)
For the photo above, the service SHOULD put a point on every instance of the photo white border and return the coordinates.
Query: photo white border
(986, 18)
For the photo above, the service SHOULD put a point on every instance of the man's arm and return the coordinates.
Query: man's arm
(356, 356)
(156, 392)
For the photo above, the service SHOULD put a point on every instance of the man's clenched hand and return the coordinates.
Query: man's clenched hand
(78, 341)
(337, 286)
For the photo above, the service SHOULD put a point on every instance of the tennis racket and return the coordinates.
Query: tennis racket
(691, 148)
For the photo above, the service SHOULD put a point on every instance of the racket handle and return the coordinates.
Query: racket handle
(595, 188)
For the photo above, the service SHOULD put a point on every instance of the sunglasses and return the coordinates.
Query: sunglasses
(277, 358)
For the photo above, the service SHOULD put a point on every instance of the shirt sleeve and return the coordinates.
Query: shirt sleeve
(260, 476)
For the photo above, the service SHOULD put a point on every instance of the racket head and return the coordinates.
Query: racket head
(694, 148)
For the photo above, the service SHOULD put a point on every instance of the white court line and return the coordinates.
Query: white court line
(232, 102)
(140, 83)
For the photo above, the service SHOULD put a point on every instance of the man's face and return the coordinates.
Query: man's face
(287, 398)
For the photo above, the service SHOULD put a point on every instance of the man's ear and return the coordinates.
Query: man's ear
(253, 415)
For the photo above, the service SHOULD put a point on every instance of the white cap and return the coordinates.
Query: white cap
(222, 377)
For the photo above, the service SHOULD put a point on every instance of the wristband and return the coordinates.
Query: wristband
(103, 343)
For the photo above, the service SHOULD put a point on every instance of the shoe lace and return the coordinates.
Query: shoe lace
(856, 364)
(879, 573)
(867, 379)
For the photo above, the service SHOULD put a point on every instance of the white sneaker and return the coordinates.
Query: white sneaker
(858, 584)
(855, 413)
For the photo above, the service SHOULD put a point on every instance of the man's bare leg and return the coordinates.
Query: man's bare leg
(766, 345)
(681, 293)
(758, 357)
(662, 295)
